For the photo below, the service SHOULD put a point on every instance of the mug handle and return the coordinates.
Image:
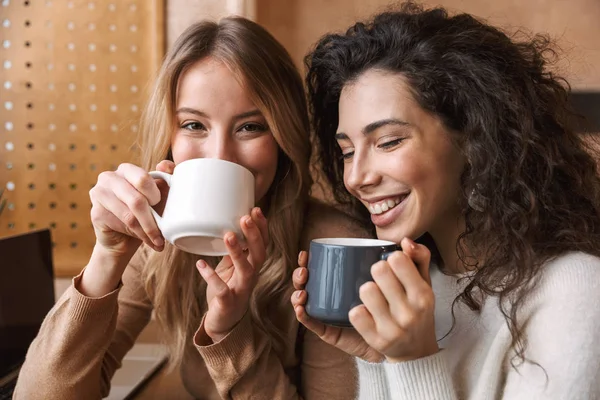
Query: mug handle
(384, 256)
(167, 178)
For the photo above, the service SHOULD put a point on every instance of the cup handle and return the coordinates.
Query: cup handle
(167, 178)
(384, 256)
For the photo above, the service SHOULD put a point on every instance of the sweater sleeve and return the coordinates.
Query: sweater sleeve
(372, 381)
(82, 341)
(422, 379)
(244, 365)
(562, 331)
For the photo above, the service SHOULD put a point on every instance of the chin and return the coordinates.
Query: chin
(391, 235)
(395, 233)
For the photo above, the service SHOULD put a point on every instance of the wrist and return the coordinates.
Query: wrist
(103, 272)
(393, 360)
(217, 336)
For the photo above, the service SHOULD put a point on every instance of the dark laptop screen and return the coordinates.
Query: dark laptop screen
(26, 293)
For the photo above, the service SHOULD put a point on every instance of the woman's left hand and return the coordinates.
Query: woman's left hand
(231, 283)
(397, 314)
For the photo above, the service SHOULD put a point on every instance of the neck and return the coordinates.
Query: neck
(446, 237)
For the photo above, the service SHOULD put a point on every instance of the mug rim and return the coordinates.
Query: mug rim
(353, 242)
(219, 160)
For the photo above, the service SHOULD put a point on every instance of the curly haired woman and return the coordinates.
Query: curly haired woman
(443, 125)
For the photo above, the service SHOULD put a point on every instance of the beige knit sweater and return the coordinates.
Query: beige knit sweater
(83, 340)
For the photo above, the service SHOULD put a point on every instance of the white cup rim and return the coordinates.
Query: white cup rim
(356, 242)
(211, 160)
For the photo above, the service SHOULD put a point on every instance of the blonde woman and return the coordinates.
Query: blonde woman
(226, 90)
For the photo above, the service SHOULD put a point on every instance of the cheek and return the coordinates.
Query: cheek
(182, 150)
(437, 182)
(409, 168)
(261, 158)
(446, 171)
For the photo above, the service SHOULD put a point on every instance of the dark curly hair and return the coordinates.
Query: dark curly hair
(536, 181)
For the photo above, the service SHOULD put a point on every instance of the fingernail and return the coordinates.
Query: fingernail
(249, 223)
(300, 257)
(232, 240)
(201, 264)
(298, 294)
(300, 273)
(411, 243)
(159, 242)
(259, 212)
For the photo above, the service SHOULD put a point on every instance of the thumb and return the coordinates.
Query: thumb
(420, 255)
(167, 166)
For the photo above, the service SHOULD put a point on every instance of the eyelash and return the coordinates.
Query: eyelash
(254, 127)
(385, 146)
(347, 156)
(188, 126)
(390, 144)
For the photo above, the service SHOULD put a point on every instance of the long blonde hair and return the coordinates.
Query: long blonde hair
(266, 70)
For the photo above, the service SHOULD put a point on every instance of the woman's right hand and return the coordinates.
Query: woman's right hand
(346, 339)
(122, 220)
(121, 209)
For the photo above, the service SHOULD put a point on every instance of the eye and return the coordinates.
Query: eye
(193, 126)
(346, 149)
(390, 144)
(253, 127)
(347, 155)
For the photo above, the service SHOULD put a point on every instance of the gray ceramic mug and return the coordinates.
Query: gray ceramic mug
(337, 267)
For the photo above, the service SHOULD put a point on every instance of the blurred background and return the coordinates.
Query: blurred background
(74, 76)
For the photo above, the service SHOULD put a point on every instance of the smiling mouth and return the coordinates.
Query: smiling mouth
(385, 205)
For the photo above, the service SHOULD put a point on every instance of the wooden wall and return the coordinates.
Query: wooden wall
(299, 23)
(182, 13)
(575, 23)
(72, 76)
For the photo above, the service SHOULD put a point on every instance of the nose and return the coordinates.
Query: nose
(220, 145)
(362, 172)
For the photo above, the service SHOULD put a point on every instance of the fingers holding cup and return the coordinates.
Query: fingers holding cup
(300, 275)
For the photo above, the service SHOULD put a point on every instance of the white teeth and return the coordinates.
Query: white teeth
(384, 206)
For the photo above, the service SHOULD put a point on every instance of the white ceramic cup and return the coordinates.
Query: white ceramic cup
(207, 197)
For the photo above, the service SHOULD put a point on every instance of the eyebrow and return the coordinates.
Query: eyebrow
(188, 110)
(373, 126)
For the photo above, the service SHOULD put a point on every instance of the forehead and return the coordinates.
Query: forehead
(374, 95)
(210, 81)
